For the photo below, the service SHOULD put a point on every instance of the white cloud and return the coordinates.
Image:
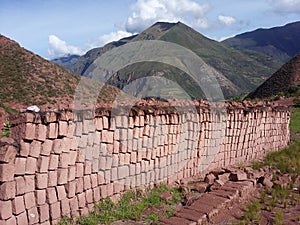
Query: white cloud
(59, 48)
(285, 6)
(114, 36)
(227, 20)
(146, 12)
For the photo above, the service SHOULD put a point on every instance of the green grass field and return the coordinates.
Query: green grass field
(295, 120)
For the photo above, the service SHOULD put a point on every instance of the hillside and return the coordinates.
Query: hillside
(239, 72)
(27, 79)
(281, 43)
(286, 81)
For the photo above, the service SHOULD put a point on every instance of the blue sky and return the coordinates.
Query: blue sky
(53, 28)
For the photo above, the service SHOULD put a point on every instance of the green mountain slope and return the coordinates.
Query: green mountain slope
(239, 72)
(281, 43)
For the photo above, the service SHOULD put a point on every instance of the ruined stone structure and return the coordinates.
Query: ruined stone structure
(62, 163)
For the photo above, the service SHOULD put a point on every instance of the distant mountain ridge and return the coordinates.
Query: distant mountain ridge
(285, 81)
(282, 43)
(240, 72)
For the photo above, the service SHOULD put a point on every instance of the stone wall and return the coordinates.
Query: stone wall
(61, 163)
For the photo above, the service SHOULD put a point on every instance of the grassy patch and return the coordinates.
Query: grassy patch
(295, 120)
(133, 205)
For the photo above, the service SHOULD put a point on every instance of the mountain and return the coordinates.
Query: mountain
(286, 81)
(282, 42)
(67, 60)
(238, 72)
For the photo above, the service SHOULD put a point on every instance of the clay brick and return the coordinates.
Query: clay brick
(62, 128)
(24, 148)
(43, 164)
(8, 153)
(41, 132)
(29, 131)
(31, 165)
(72, 157)
(40, 197)
(123, 172)
(43, 212)
(18, 205)
(22, 219)
(61, 192)
(7, 172)
(94, 180)
(7, 190)
(20, 185)
(5, 210)
(29, 199)
(65, 207)
(62, 176)
(79, 170)
(87, 182)
(33, 215)
(71, 188)
(99, 123)
(53, 162)
(52, 178)
(96, 194)
(52, 131)
(81, 200)
(89, 196)
(74, 206)
(20, 166)
(57, 146)
(63, 160)
(46, 147)
(10, 221)
(55, 210)
(51, 195)
(103, 191)
(72, 173)
(79, 185)
(41, 180)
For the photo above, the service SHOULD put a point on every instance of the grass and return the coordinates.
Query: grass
(133, 205)
(295, 120)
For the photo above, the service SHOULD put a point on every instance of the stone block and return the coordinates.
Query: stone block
(5, 210)
(81, 200)
(43, 164)
(53, 162)
(29, 131)
(79, 170)
(96, 194)
(62, 175)
(20, 185)
(51, 195)
(33, 215)
(61, 192)
(57, 146)
(41, 132)
(87, 182)
(43, 212)
(238, 176)
(31, 165)
(65, 207)
(72, 157)
(52, 131)
(8, 153)
(41, 180)
(24, 148)
(8, 190)
(64, 160)
(107, 136)
(52, 178)
(29, 183)
(71, 173)
(71, 188)
(18, 205)
(55, 211)
(89, 196)
(22, 219)
(7, 172)
(46, 147)
(20, 166)
(40, 197)
(62, 128)
(29, 199)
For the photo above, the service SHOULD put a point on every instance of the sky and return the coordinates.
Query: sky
(54, 28)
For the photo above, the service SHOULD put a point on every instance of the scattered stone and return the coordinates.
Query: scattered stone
(209, 178)
(223, 178)
(166, 196)
(238, 176)
(190, 197)
(200, 187)
(265, 182)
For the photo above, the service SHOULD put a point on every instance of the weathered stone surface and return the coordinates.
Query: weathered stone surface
(8, 153)
(18, 205)
(209, 178)
(7, 190)
(5, 210)
(7, 172)
(238, 176)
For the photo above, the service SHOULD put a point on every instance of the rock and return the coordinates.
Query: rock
(238, 175)
(190, 197)
(33, 108)
(200, 187)
(265, 181)
(223, 178)
(166, 196)
(209, 178)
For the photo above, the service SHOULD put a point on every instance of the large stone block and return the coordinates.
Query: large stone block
(40, 197)
(8, 190)
(29, 199)
(41, 180)
(41, 132)
(18, 205)
(20, 166)
(29, 183)
(55, 211)
(44, 212)
(52, 131)
(5, 210)
(7, 172)
(51, 195)
(62, 175)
